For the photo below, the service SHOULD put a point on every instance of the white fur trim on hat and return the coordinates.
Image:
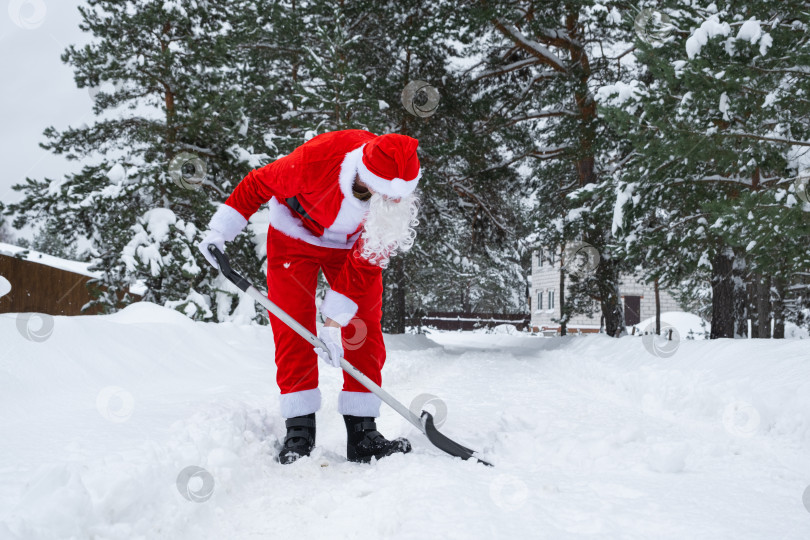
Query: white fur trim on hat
(397, 187)
(338, 307)
(300, 403)
(227, 221)
(359, 404)
(348, 170)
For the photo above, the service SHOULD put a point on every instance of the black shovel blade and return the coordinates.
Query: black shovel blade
(444, 443)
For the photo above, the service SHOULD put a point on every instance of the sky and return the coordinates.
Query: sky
(37, 89)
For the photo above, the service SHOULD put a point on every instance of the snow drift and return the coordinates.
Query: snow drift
(145, 424)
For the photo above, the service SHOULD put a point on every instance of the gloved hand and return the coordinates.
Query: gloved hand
(225, 224)
(330, 335)
(213, 238)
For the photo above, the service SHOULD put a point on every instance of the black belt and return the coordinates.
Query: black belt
(295, 204)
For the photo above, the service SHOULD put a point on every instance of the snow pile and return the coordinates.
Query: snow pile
(253, 160)
(5, 286)
(508, 329)
(794, 332)
(751, 31)
(624, 193)
(710, 28)
(616, 95)
(686, 324)
(150, 232)
(117, 174)
(115, 425)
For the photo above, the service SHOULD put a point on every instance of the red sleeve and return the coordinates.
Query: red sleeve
(282, 179)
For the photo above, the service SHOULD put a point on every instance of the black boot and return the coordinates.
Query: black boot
(365, 442)
(300, 439)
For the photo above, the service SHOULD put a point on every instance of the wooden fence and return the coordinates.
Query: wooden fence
(451, 320)
(42, 289)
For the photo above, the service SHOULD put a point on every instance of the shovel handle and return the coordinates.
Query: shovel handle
(227, 271)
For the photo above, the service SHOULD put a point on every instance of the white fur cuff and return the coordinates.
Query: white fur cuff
(300, 403)
(338, 307)
(359, 404)
(228, 221)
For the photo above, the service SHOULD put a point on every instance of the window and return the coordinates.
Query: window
(540, 258)
(551, 299)
(539, 305)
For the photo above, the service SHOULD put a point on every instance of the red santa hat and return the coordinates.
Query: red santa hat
(390, 165)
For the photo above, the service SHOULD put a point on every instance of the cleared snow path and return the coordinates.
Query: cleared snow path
(591, 437)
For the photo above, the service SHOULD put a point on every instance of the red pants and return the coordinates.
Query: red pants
(292, 279)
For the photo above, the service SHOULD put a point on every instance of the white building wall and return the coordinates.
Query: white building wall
(545, 277)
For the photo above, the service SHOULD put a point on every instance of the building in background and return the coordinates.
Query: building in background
(42, 283)
(638, 299)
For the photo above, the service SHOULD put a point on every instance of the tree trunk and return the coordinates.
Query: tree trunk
(740, 313)
(657, 309)
(168, 99)
(778, 307)
(563, 316)
(751, 291)
(723, 294)
(587, 123)
(394, 294)
(607, 275)
(607, 284)
(763, 306)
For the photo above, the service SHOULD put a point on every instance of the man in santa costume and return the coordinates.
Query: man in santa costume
(342, 203)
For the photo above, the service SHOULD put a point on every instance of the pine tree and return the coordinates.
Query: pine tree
(714, 120)
(169, 99)
(48, 240)
(6, 235)
(345, 65)
(542, 65)
(467, 256)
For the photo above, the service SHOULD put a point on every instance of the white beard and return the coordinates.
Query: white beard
(389, 228)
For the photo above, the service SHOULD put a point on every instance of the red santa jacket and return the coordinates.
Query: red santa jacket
(319, 175)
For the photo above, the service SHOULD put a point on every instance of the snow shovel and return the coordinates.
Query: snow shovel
(424, 424)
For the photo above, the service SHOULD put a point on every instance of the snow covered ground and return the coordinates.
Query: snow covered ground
(590, 437)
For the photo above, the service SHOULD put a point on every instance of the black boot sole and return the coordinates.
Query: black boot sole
(398, 446)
